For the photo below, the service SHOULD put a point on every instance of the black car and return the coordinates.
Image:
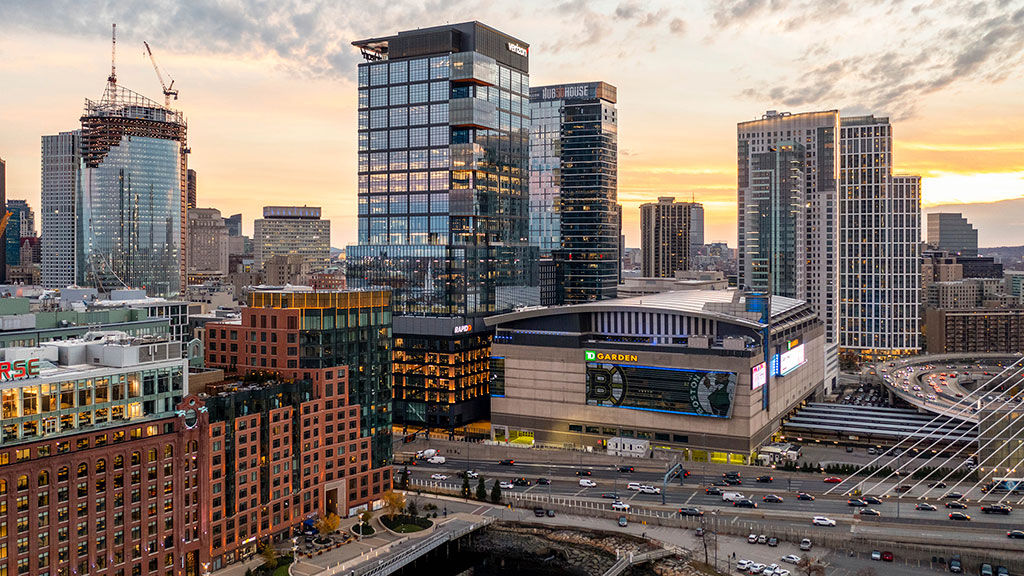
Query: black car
(773, 541)
(764, 479)
(925, 506)
(733, 481)
(745, 504)
(959, 516)
(955, 565)
(686, 473)
(520, 481)
(625, 469)
(690, 512)
(1017, 534)
(805, 496)
(956, 505)
(772, 498)
(712, 491)
(584, 473)
(937, 485)
(869, 512)
(539, 512)
(507, 462)
(996, 509)
(856, 502)
(872, 500)
(610, 495)
(953, 495)
(901, 489)
(551, 513)
(543, 481)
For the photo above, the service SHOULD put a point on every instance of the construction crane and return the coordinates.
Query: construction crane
(168, 90)
(3, 222)
(113, 56)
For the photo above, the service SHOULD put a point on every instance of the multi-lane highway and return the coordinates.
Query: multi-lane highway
(792, 511)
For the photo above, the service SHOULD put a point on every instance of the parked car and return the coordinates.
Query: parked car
(986, 570)
(887, 557)
(755, 569)
(876, 555)
(805, 544)
(1002, 571)
(742, 565)
(773, 541)
(791, 559)
(538, 512)
(955, 565)
(551, 513)
(762, 539)
(752, 539)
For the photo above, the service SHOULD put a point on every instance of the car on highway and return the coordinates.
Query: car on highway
(752, 539)
(690, 511)
(773, 541)
(956, 505)
(520, 481)
(539, 512)
(438, 476)
(648, 489)
(925, 506)
(1018, 534)
(584, 473)
(823, 521)
(505, 485)
(869, 512)
(805, 544)
(506, 462)
(856, 502)
(764, 479)
(623, 522)
(744, 503)
(953, 495)
(587, 483)
(732, 481)
(805, 496)
(791, 559)
(619, 505)
(543, 481)
(470, 474)
(633, 486)
(625, 469)
(937, 485)
(772, 498)
(832, 480)
(959, 516)
(997, 509)
(713, 491)
(872, 500)
(902, 488)
(611, 495)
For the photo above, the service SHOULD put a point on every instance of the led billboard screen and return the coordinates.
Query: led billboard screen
(659, 389)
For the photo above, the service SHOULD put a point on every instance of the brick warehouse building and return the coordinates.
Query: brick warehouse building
(316, 385)
(99, 460)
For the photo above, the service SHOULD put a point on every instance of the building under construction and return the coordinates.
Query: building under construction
(131, 225)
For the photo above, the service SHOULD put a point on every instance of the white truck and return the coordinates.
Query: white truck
(424, 454)
(436, 459)
(732, 496)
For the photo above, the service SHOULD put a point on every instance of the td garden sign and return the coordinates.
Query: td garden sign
(593, 356)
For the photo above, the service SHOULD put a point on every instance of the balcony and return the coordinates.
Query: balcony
(471, 112)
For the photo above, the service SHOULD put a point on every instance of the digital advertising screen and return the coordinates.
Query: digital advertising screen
(791, 360)
(672, 390)
(758, 376)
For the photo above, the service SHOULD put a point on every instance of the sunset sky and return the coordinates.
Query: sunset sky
(268, 87)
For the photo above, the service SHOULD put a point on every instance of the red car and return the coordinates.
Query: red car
(833, 480)
(887, 557)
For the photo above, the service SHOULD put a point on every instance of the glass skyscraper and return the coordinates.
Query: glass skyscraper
(574, 215)
(444, 119)
(131, 206)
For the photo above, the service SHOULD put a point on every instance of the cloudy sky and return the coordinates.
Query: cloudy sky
(268, 86)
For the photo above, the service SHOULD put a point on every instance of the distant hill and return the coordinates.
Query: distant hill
(998, 223)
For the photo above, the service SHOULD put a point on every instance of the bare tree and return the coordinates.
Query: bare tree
(811, 567)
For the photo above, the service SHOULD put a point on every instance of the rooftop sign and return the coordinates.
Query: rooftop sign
(19, 369)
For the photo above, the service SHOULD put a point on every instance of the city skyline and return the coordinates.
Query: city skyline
(251, 81)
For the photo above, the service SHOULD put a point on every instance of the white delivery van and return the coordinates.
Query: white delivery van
(436, 459)
(732, 496)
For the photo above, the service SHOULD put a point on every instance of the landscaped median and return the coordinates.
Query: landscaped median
(406, 524)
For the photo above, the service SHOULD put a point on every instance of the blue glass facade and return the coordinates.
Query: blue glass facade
(132, 202)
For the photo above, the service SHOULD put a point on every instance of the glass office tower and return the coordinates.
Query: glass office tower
(574, 216)
(443, 205)
(131, 209)
(775, 212)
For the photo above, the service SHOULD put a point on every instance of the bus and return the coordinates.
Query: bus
(1012, 485)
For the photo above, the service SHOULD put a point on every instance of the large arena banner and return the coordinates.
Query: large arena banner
(672, 390)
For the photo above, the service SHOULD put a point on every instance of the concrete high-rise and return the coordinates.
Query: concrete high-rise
(285, 230)
(191, 188)
(665, 236)
(696, 229)
(60, 158)
(951, 232)
(207, 243)
(813, 242)
(574, 215)
(3, 200)
(234, 225)
(20, 225)
(880, 239)
(131, 206)
(443, 192)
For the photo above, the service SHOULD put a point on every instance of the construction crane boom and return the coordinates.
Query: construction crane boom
(168, 90)
(3, 222)
(113, 55)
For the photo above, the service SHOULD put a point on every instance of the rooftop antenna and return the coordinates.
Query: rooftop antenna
(113, 56)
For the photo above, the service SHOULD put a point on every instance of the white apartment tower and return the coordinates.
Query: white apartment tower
(880, 240)
(60, 168)
(817, 247)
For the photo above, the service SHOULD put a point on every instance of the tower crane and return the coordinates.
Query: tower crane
(168, 90)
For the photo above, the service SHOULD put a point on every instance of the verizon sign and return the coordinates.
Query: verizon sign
(518, 49)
